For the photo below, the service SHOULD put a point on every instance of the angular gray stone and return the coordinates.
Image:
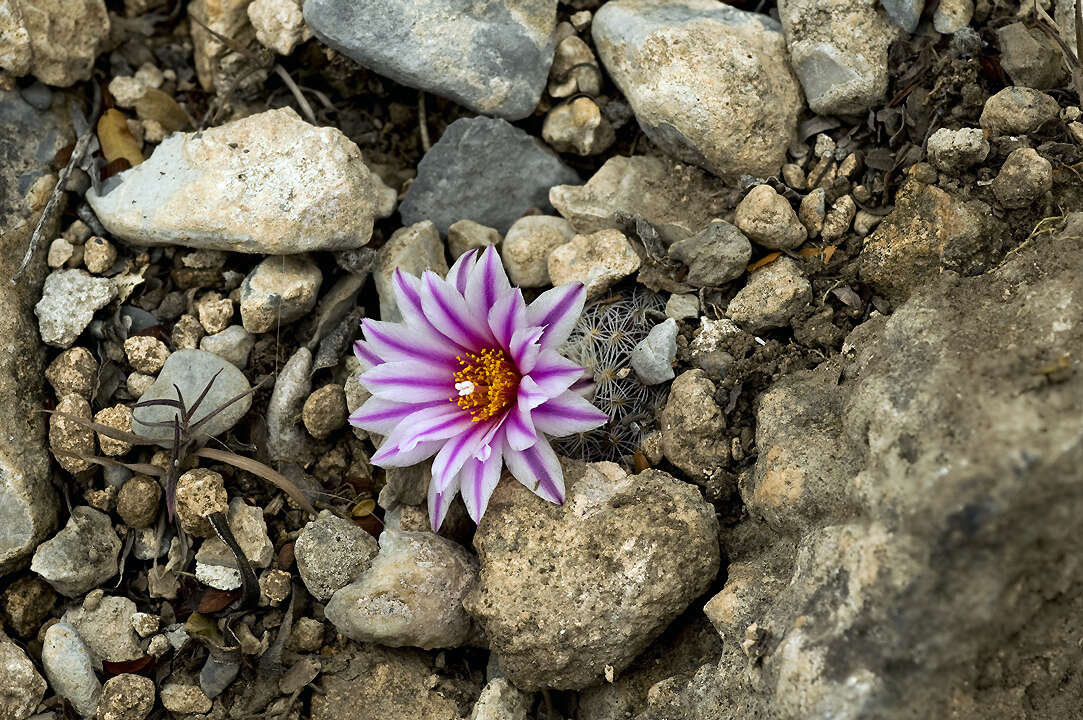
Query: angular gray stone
(715, 255)
(709, 83)
(268, 183)
(1030, 58)
(81, 556)
(331, 552)
(904, 13)
(492, 56)
(411, 594)
(70, 668)
(1018, 111)
(21, 687)
(278, 291)
(652, 358)
(68, 302)
(773, 295)
(106, 628)
(191, 370)
(485, 170)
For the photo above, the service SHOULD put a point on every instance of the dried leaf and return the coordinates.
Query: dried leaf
(363, 508)
(125, 667)
(259, 469)
(250, 585)
(847, 296)
(116, 139)
(162, 108)
(212, 601)
(829, 252)
(765, 260)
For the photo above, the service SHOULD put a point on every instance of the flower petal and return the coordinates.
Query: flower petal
(566, 414)
(473, 442)
(365, 355)
(399, 341)
(406, 458)
(380, 415)
(461, 270)
(448, 312)
(507, 316)
(538, 468)
(557, 310)
(518, 427)
(477, 480)
(487, 282)
(554, 373)
(440, 500)
(408, 381)
(435, 422)
(524, 348)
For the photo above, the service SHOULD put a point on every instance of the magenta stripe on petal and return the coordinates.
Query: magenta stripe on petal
(488, 282)
(557, 310)
(365, 355)
(408, 343)
(447, 310)
(524, 348)
(461, 270)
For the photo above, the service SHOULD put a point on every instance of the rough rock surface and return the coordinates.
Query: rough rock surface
(81, 556)
(715, 255)
(1018, 111)
(331, 552)
(69, 667)
(839, 51)
(662, 193)
(278, 291)
(693, 426)
(598, 260)
(269, 183)
(927, 517)
(411, 594)
(105, 625)
(772, 296)
(566, 591)
(485, 170)
(68, 302)
(527, 245)
(492, 56)
(65, 37)
(709, 83)
(21, 687)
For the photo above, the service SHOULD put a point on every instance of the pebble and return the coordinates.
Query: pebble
(709, 83)
(794, 176)
(307, 635)
(69, 436)
(768, 219)
(1024, 177)
(234, 345)
(99, 255)
(557, 605)
(682, 306)
(661, 192)
(279, 24)
(268, 183)
(1018, 111)
(127, 90)
(218, 67)
(693, 427)
(957, 150)
(278, 291)
(216, 561)
(70, 668)
(146, 354)
(215, 312)
(839, 50)
(838, 218)
(200, 493)
(105, 625)
(578, 127)
(16, 53)
(187, 332)
(1029, 58)
(21, 687)
(331, 552)
(145, 624)
(25, 604)
(138, 383)
(68, 302)
(865, 222)
(60, 252)
(652, 357)
(138, 501)
(575, 69)
(191, 371)
(951, 16)
(126, 697)
(324, 411)
(73, 371)
(598, 260)
(773, 295)
(184, 698)
(413, 250)
(286, 441)
(81, 556)
(491, 57)
(466, 235)
(527, 246)
(118, 417)
(500, 700)
(485, 170)
(904, 13)
(715, 255)
(64, 38)
(813, 211)
(411, 594)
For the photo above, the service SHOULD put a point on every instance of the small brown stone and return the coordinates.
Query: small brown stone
(187, 332)
(325, 411)
(138, 501)
(146, 354)
(118, 417)
(73, 371)
(126, 697)
(199, 493)
(69, 439)
(25, 603)
(215, 312)
(99, 255)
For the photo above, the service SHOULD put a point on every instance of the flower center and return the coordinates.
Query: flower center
(486, 383)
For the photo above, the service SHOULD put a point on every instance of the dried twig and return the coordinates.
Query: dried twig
(297, 94)
(422, 122)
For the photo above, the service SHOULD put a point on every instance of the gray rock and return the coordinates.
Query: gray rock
(70, 668)
(955, 150)
(665, 194)
(693, 427)
(707, 351)
(234, 345)
(527, 245)
(839, 51)
(1030, 58)
(68, 302)
(413, 250)
(191, 371)
(579, 127)
(330, 553)
(215, 677)
(21, 687)
(715, 255)
(80, 557)
(652, 357)
(286, 438)
(709, 83)
(768, 219)
(105, 624)
(492, 56)
(216, 560)
(466, 235)
(1018, 111)
(485, 170)
(595, 581)
(268, 183)
(411, 594)
(773, 295)
(904, 13)
(184, 698)
(1023, 178)
(278, 291)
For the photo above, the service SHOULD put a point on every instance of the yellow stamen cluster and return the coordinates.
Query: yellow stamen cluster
(487, 383)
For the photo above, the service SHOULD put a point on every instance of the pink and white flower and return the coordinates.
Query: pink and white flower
(472, 375)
